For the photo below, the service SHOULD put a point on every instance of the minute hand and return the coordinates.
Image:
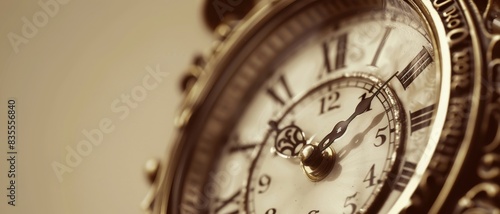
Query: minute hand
(341, 127)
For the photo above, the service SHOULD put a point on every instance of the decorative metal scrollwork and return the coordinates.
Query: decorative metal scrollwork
(289, 140)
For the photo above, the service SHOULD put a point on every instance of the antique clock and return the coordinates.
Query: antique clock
(340, 106)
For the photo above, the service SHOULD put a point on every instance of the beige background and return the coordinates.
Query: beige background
(83, 57)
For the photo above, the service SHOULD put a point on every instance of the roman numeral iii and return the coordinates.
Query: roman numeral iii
(421, 118)
(416, 66)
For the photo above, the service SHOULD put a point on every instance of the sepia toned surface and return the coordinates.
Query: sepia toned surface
(444, 182)
(96, 87)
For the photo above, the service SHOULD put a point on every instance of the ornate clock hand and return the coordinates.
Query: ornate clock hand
(318, 160)
(359, 138)
(341, 127)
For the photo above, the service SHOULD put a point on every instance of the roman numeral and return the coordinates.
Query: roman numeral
(326, 57)
(240, 148)
(280, 92)
(421, 118)
(244, 148)
(225, 203)
(381, 46)
(405, 176)
(339, 57)
(341, 51)
(416, 66)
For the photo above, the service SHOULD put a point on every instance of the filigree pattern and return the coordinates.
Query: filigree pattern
(479, 191)
(484, 196)
(289, 141)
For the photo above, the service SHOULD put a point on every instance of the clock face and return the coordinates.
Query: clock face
(325, 108)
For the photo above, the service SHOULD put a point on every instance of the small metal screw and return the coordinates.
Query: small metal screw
(495, 25)
(151, 168)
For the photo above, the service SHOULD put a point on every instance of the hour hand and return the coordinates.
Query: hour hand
(341, 127)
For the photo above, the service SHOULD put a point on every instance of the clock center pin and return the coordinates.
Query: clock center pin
(317, 164)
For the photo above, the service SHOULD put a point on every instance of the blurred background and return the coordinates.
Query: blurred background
(96, 85)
